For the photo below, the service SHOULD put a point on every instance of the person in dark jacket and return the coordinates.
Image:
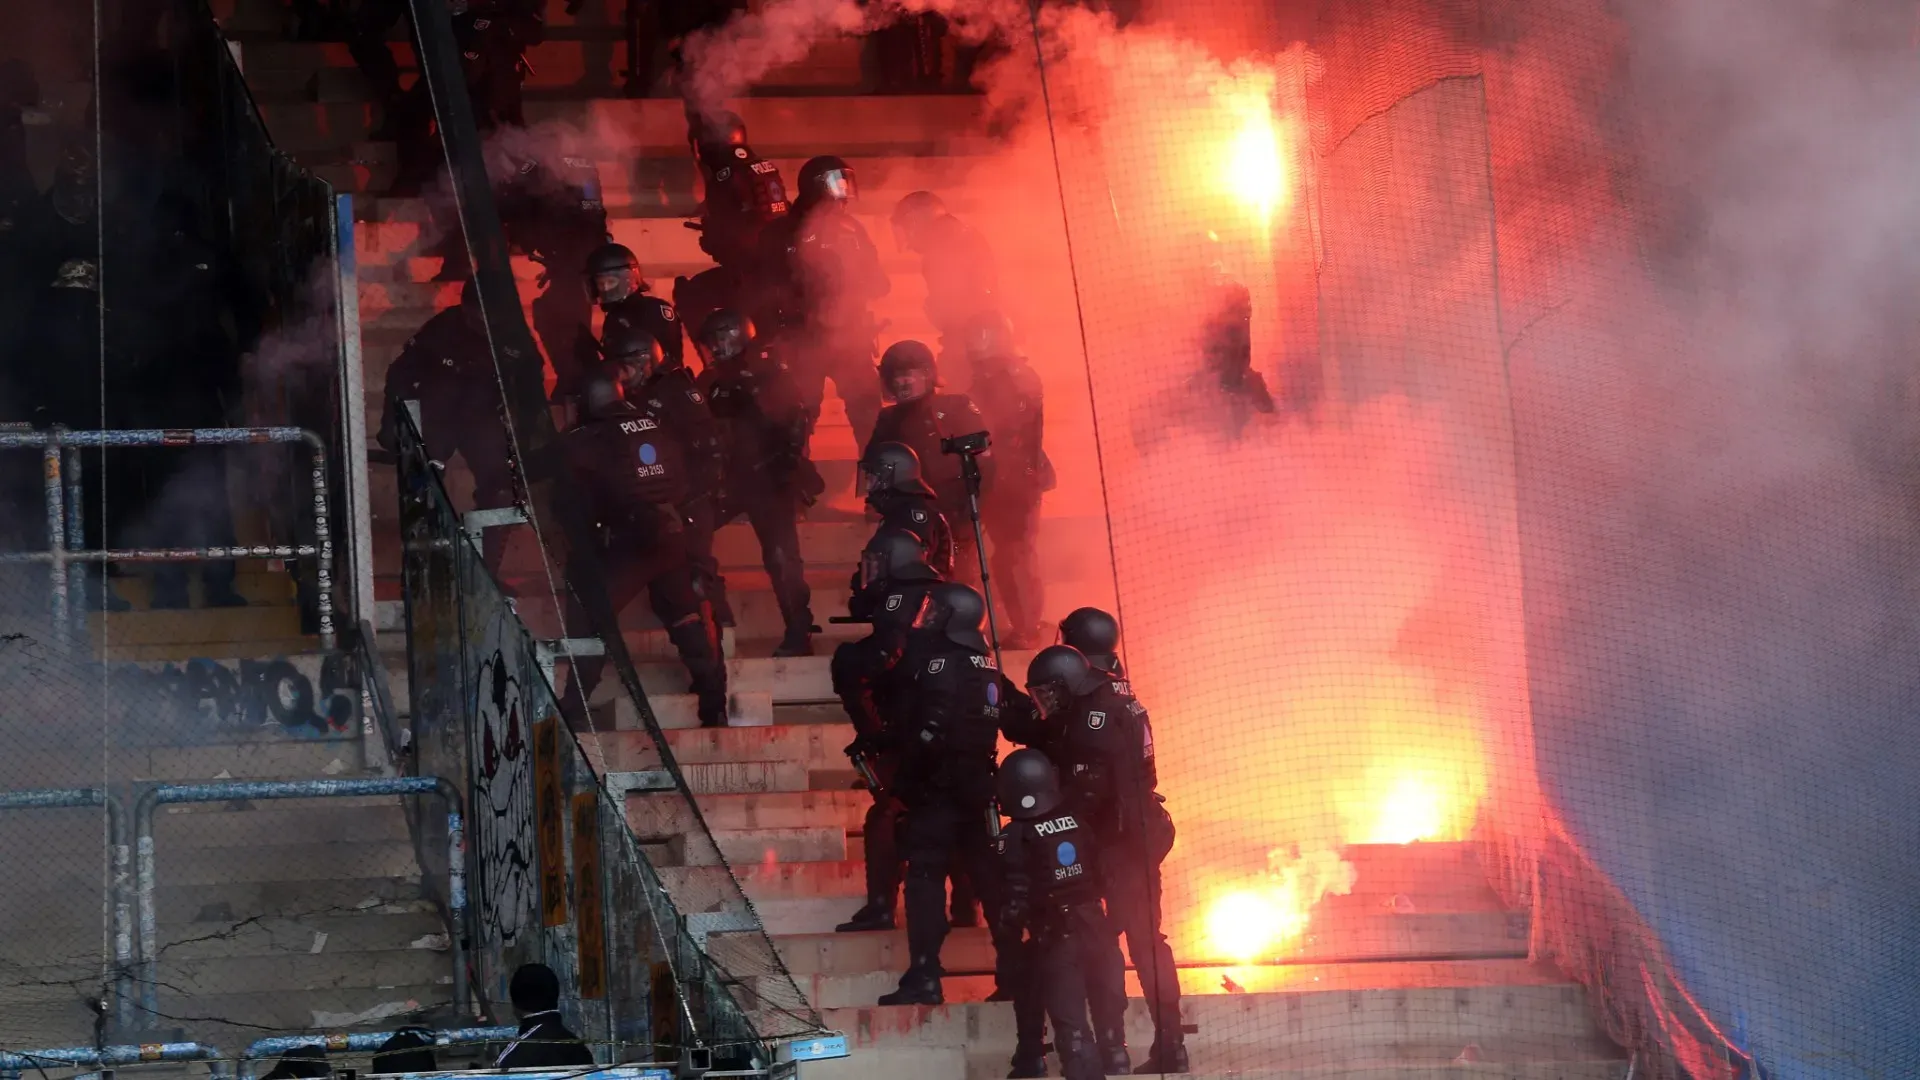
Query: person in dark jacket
(408, 1050)
(448, 368)
(544, 1041)
(1008, 393)
(920, 418)
(962, 281)
(767, 476)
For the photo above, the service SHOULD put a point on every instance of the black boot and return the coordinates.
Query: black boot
(875, 915)
(1164, 1059)
(1027, 1062)
(919, 986)
(797, 642)
(1113, 1054)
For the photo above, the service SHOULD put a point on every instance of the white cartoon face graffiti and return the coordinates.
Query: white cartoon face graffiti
(505, 886)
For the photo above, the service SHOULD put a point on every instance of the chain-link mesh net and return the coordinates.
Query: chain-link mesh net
(1527, 611)
(557, 874)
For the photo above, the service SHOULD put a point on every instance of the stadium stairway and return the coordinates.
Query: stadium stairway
(1420, 972)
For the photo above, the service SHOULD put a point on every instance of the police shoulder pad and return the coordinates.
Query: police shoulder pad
(667, 312)
(1096, 720)
(936, 665)
(723, 172)
(694, 396)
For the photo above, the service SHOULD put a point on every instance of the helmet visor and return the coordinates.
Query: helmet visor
(1048, 698)
(837, 184)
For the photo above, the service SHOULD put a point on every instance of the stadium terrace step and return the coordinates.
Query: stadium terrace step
(274, 824)
(181, 865)
(291, 758)
(743, 847)
(1242, 1030)
(315, 935)
(1329, 939)
(838, 991)
(652, 816)
(236, 1019)
(774, 881)
(202, 626)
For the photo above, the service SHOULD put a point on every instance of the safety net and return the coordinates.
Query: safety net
(1501, 415)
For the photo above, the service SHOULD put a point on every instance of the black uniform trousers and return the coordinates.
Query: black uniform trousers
(885, 866)
(942, 830)
(1011, 520)
(846, 357)
(1131, 885)
(1075, 962)
(774, 513)
(631, 562)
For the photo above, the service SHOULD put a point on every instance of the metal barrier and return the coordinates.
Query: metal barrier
(56, 798)
(296, 789)
(60, 543)
(13, 1063)
(362, 1041)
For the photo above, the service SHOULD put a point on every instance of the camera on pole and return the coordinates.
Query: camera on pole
(969, 448)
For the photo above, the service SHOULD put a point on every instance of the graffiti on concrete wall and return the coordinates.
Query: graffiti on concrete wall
(306, 696)
(504, 843)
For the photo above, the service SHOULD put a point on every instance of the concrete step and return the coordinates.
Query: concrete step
(288, 759)
(288, 973)
(1239, 1030)
(1558, 1060)
(178, 903)
(328, 935)
(275, 824)
(241, 1016)
(833, 991)
(740, 847)
(817, 746)
(285, 864)
(1329, 938)
(780, 881)
(653, 816)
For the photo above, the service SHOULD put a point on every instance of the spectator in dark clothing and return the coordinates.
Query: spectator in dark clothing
(544, 1041)
(301, 1063)
(409, 1050)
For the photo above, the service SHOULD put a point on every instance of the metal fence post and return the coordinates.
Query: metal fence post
(353, 406)
(250, 790)
(56, 798)
(77, 532)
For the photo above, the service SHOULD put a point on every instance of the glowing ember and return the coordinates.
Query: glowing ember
(1256, 171)
(1414, 808)
(1245, 926)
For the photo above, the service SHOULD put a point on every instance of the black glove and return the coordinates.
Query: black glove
(866, 746)
(1013, 914)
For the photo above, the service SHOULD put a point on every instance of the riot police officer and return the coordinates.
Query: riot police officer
(767, 476)
(945, 737)
(447, 366)
(819, 275)
(613, 272)
(1226, 346)
(962, 281)
(665, 389)
(1102, 739)
(895, 579)
(743, 194)
(1097, 635)
(1008, 393)
(634, 477)
(919, 419)
(1050, 863)
(904, 501)
(493, 37)
(554, 215)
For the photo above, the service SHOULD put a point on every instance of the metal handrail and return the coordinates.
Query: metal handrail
(13, 1063)
(60, 551)
(363, 1041)
(56, 798)
(230, 791)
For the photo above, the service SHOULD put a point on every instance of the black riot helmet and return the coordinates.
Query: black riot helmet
(1058, 674)
(893, 467)
(1028, 786)
(637, 353)
(911, 216)
(1096, 634)
(987, 337)
(955, 610)
(894, 555)
(613, 272)
(826, 178)
(725, 335)
(721, 139)
(907, 371)
(603, 396)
